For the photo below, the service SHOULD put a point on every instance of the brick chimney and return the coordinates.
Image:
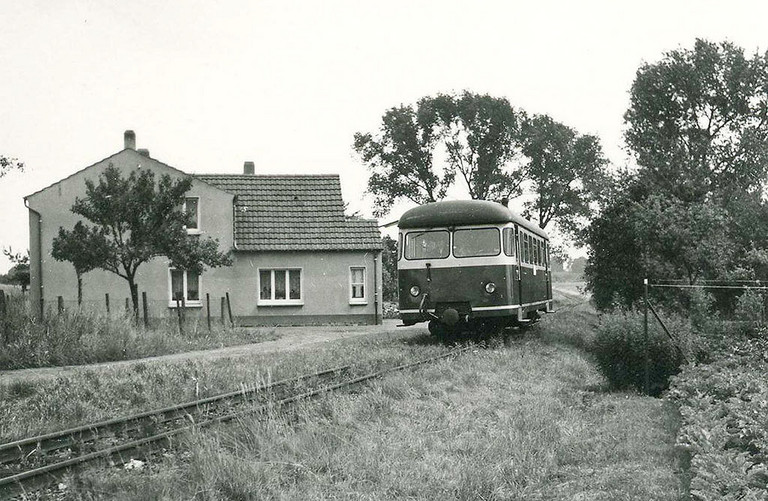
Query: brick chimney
(130, 140)
(249, 168)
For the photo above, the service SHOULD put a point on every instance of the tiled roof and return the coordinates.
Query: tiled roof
(285, 213)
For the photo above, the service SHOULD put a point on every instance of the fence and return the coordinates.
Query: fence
(211, 309)
(732, 287)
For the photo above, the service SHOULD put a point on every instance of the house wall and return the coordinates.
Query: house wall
(326, 288)
(325, 275)
(50, 210)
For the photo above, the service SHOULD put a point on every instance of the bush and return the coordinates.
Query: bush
(723, 406)
(749, 311)
(619, 350)
(702, 309)
(390, 309)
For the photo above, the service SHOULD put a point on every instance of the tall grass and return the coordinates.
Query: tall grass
(34, 406)
(523, 422)
(76, 337)
(533, 420)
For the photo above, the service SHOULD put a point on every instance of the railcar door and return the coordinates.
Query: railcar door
(526, 271)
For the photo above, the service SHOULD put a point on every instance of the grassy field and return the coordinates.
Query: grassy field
(532, 420)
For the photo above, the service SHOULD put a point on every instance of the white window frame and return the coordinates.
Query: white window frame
(190, 304)
(280, 302)
(193, 231)
(358, 300)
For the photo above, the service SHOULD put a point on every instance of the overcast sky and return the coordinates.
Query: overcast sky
(208, 85)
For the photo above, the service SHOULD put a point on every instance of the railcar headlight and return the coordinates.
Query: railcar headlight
(415, 291)
(490, 287)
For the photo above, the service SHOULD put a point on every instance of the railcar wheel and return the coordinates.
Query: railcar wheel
(446, 334)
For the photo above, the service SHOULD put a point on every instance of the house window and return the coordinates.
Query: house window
(357, 285)
(184, 286)
(280, 287)
(192, 208)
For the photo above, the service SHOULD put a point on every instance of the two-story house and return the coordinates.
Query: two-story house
(297, 258)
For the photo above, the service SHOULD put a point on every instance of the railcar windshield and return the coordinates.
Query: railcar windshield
(476, 242)
(427, 244)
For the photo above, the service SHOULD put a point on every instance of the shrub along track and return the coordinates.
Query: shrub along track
(36, 462)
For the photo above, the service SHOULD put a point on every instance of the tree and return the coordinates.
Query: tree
(578, 264)
(644, 234)
(698, 126)
(84, 247)
(615, 267)
(389, 268)
(134, 220)
(401, 157)
(7, 164)
(482, 138)
(567, 172)
(476, 136)
(19, 272)
(698, 121)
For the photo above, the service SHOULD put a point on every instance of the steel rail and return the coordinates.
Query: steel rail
(18, 449)
(38, 472)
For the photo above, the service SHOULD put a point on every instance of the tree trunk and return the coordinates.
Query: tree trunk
(79, 289)
(134, 298)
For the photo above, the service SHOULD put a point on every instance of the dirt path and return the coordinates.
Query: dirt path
(291, 338)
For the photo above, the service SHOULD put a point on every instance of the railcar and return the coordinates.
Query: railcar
(471, 265)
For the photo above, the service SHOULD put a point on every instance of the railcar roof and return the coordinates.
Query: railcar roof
(463, 212)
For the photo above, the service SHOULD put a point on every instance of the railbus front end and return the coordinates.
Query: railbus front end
(471, 266)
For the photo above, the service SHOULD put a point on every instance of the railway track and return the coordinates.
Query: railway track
(36, 462)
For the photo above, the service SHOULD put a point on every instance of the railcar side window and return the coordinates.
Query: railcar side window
(539, 254)
(427, 244)
(527, 248)
(476, 242)
(509, 241)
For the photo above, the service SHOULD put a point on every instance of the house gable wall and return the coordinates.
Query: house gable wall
(50, 210)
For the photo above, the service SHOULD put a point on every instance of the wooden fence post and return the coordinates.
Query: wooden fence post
(647, 361)
(144, 306)
(208, 309)
(3, 315)
(178, 313)
(223, 310)
(229, 310)
(60, 304)
(106, 298)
